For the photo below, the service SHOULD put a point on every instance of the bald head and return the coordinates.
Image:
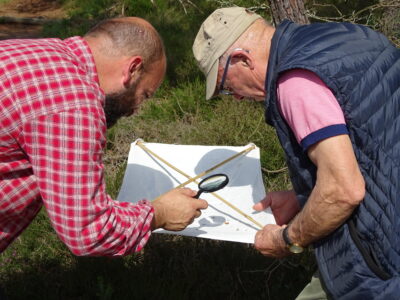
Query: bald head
(128, 36)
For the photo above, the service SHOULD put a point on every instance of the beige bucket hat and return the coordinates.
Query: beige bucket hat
(217, 33)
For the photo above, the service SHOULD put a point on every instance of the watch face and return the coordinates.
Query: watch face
(295, 248)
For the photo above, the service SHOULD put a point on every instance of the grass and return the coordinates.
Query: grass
(169, 268)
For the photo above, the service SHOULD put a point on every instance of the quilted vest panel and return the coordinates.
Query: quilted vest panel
(361, 259)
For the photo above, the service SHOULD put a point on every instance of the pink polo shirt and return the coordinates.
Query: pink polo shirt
(309, 107)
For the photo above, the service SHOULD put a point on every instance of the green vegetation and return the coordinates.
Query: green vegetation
(38, 266)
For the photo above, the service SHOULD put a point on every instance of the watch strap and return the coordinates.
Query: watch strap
(286, 237)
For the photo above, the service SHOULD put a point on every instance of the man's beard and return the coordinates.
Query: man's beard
(120, 104)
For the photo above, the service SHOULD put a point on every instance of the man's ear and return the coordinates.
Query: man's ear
(243, 57)
(132, 68)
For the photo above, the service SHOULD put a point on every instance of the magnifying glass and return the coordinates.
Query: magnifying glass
(212, 183)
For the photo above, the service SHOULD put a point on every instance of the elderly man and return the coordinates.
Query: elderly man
(57, 97)
(331, 91)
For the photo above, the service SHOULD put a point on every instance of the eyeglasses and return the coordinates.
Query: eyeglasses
(222, 90)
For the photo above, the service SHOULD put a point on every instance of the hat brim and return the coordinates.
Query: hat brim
(212, 80)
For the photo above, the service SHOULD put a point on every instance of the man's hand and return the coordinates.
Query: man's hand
(269, 242)
(284, 205)
(176, 209)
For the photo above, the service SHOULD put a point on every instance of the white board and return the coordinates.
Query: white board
(146, 177)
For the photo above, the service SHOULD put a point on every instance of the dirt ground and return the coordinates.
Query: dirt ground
(31, 8)
(42, 9)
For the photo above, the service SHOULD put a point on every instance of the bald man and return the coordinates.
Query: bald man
(57, 99)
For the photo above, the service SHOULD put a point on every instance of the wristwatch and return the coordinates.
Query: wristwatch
(293, 247)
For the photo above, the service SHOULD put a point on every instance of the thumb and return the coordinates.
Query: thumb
(263, 204)
(200, 204)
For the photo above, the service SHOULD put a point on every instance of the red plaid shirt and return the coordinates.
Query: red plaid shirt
(52, 136)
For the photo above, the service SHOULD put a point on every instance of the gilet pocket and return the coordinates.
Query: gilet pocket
(367, 253)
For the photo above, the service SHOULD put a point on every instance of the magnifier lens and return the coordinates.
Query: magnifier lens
(213, 183)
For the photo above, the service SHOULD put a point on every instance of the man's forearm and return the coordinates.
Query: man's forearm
(338, 190)
(320, 216)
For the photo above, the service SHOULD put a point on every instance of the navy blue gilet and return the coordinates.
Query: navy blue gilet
(361, 259)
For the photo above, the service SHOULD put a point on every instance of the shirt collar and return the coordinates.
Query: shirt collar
(81, 49)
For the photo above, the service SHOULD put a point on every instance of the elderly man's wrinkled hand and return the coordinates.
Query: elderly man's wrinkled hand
(176, 209)
(270, 243)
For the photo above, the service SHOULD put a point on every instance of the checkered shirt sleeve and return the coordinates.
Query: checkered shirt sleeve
(65, 150)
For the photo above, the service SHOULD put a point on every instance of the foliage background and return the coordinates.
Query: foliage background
(38, 266)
